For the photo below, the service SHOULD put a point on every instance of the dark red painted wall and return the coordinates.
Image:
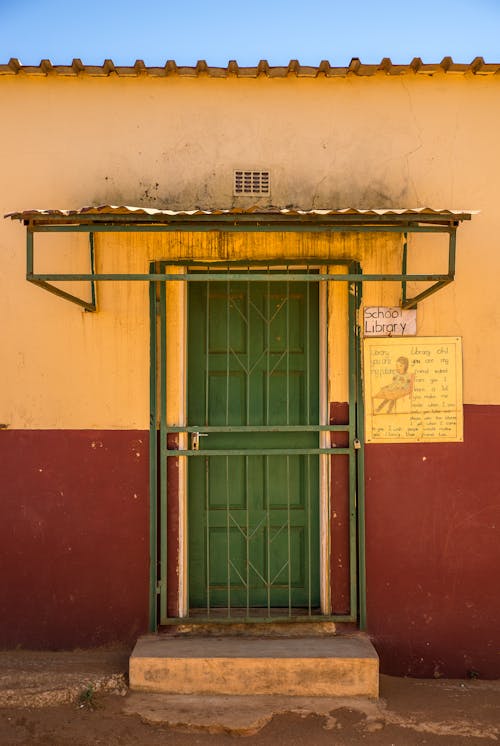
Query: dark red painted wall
(74, 537)
(433, 552)
(74, 544)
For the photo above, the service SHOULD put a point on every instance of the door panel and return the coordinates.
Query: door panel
(253, 519)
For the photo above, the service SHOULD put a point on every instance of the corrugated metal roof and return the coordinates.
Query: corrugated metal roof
(256, 211)
(477, 67)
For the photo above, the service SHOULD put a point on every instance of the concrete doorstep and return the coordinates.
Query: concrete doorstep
(337, 666)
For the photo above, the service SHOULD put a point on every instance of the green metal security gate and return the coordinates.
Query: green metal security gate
(253, 385)
(255, 440)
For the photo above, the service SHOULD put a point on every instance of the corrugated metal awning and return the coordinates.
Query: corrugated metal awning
(348, 215)
(123, 218)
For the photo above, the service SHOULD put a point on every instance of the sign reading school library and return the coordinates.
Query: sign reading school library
(389, 321)
(413, 390)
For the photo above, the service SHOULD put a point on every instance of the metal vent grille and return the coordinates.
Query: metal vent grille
(252, 183)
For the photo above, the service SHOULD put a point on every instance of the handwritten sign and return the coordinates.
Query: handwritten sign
(413, 390)
(389, 321)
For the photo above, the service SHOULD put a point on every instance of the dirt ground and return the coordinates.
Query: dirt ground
(80, 698)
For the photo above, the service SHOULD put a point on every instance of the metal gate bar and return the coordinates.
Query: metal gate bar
(352, 452)
(360, 461)
(163, 450)
(166, 452)
(153, 457)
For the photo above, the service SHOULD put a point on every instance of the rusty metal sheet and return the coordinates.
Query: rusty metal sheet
(255, 210)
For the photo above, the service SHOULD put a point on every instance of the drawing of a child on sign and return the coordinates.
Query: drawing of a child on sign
(400, 385)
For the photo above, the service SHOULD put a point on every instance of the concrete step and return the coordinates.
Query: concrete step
(307, 628)
(341, 665)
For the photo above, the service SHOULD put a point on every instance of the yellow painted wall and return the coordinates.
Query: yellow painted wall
(366, 142)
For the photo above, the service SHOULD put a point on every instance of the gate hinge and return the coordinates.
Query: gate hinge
(158, 589)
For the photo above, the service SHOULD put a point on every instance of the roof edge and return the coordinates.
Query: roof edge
(478, 67)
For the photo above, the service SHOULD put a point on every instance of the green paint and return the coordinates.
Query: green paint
(153, 467)
(353, 576)
(256, 451)
(218, 277)
(254, 223)
(359, 518)
(283, 618)
(163, 449)
(257, 428)
(93, 294)
(404, 268)
(253, 519)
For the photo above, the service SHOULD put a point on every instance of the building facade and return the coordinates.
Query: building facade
(200, 423)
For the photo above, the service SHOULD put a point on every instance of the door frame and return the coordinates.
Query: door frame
(171, 365)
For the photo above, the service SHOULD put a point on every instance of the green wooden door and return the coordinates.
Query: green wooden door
(253, 518)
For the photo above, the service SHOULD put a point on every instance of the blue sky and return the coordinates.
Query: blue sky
(276, 30)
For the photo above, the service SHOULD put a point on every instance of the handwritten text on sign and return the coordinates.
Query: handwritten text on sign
(389, 321)
(413, 390)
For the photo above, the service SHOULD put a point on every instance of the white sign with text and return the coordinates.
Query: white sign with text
(389, 321)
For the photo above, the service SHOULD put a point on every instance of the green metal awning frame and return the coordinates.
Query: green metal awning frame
(135, 220)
